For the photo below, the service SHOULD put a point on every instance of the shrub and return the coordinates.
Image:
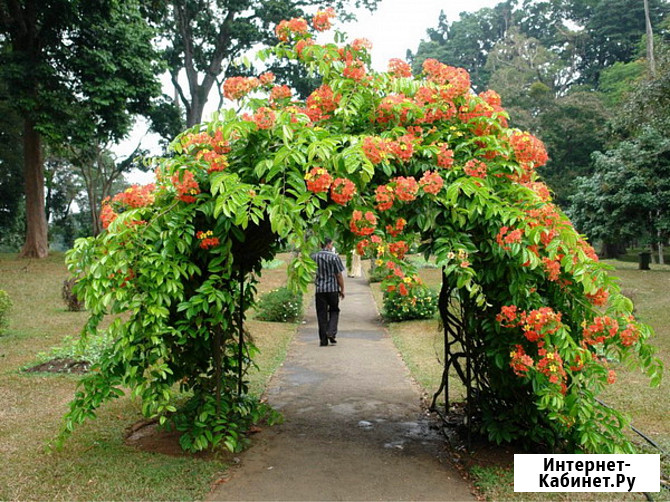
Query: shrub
(377, 274)
(5, 306)
(419, 303)
(280, 305)
(72, 302)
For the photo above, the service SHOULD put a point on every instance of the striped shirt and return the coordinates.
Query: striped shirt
(329, 266)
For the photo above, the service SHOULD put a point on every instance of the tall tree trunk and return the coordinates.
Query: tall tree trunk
(650, 40)
(37, 241)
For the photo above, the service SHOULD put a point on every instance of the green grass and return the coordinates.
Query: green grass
(95, 464)
(420, 343)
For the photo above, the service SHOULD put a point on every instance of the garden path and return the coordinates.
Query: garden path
(353, 428)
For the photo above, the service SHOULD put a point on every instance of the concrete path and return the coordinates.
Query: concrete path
(353, 427)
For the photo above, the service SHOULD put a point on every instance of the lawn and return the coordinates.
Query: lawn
(420, 343)
(95, 463)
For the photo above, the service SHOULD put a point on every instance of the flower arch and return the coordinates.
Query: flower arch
(384, 160)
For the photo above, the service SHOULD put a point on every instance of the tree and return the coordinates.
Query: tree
(612, 30)
(204, 37)
(74, 71)
(467, 41)
(11, 174)
(628, 197)
(536, 87)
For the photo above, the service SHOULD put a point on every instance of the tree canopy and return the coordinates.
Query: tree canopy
(76, 72)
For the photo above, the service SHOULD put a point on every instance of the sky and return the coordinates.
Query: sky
(395, 27)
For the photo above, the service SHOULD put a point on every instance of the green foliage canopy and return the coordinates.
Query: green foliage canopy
(383, 160)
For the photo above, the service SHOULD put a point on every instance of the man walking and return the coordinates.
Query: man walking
(329, 289)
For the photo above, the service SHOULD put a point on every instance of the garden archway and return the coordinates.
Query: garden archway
(387, 161)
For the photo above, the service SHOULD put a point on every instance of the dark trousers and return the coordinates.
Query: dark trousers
(327, 314)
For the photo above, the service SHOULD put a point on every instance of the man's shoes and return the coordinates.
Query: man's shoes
(332, 339)
(323, 344)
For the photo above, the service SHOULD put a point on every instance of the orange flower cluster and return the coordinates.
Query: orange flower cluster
(384, 197)
(520, 361)
(287, 28)
(206, 239)
(136, 196)
(393, 108)
(403, 147)
(475, 168)
(507, 236)
(354, 68)
(322, 19)
(267, 78)
(456, 80)
(302, 44)
(551, 365)
(552, 268)
(318, 180)
(406, 188)
(535, 325)
(631, 333)
(445, 157)
(375, 149)
(186, 185)
(342, 191)
(359, 44)
(435, 104)
(236, 88)
(541, 189)
(107, 214)
(216, 162)
(398, 249)
(395, 230)
(599, 330)
(363, 224)
(599, 298)
(431, 182)
(321, 102)
(399, 68)
(528, 149)
(280, 92)
(264, 118)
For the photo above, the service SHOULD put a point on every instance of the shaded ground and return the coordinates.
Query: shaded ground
(353, 429)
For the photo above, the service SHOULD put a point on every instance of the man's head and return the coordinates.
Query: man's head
(327, 243)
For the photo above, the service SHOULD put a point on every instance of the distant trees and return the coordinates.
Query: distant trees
(579, 74)
(73, 72)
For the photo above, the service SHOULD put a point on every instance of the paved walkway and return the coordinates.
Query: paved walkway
(353, 428)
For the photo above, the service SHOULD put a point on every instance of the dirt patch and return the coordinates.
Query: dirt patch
(61, 365)
(150, 436)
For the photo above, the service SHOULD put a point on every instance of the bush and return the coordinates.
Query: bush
(419, 303)
(377, 274)
(5, 305)
(280, 305)
(72, 302)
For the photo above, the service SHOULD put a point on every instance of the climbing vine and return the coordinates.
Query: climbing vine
(383, 160)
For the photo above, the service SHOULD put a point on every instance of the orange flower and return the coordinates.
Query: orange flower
(406, 188)
(431, 182)
(384, 197)
(399, 68)
(296, 26)
(186, 185)
(342, 191)
(318, 180)
(322, 19)
(475, 168)
(363, 224)
(236, 88)
(375, 149)
(264, 118)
